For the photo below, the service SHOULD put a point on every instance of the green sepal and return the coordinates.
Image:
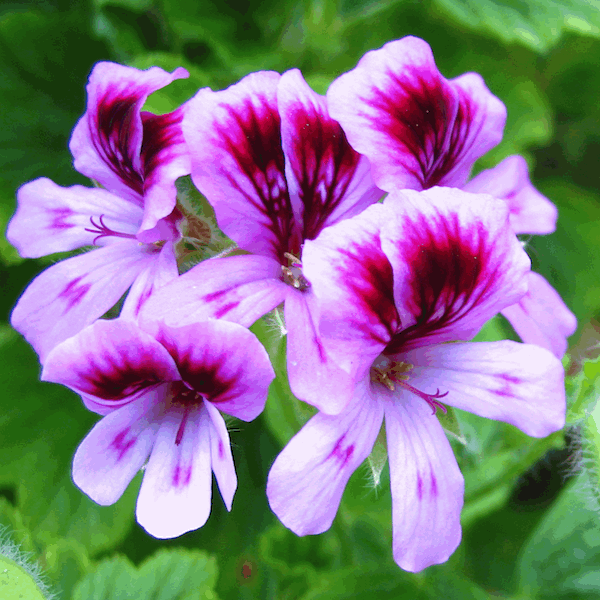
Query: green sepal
(449, 421)
(378, 457)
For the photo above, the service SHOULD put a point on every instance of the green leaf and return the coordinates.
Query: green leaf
(44, 62)
(41, 425)
(174, 574)
(562, 557)
(537, 24)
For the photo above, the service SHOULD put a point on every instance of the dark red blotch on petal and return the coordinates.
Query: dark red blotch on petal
(162, 134)
(367, 273)
(252, 136)
(74, 292)
(452, 271)
(324, 164)
(113, 377)
(428, 118)
(341, 453)
(111, 136)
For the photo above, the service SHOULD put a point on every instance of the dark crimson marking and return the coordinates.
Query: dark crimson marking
(205, 377)
(162, 136)
(434, 488)
(324, 164)
(252, 136)
(223, 310)
(451, 273)
(181, 476)
(419, 487)
(510, 378)
(121, 444)
(143, 298)
(74, 292)
(115, 376)
(417, 113)
(111, 135)
(367, 273)
(59, 218)
(343, 455)
(506, 391)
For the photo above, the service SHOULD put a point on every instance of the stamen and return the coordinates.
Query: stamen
(104, 231)
(395, 373)
(292, 274)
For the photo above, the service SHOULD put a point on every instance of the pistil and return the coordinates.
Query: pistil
(292, 274)
(104, 231)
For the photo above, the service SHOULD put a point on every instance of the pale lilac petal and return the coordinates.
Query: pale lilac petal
(222, 361)
(426, 483)
(220, 456)
(110, 144)
(158, 273)
(541, 317)
(506, 381)
(234, 137)
(176, 491)
(327, 180)
(307, 480)
(237, 288)
(112, 361)
(352, 280)
(75, 292)
(116, 449)
(314, 377)
(530, 211)
(417, 128)
(456, 263)
(51, 218)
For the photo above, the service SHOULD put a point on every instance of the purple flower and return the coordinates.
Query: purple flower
(162, 399)
(277, 170)
(420, 130)
(395, 284)
(136, 156)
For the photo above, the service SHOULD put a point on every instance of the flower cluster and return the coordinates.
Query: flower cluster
(355, 212)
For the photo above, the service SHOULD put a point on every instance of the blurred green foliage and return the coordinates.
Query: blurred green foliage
(525, 536)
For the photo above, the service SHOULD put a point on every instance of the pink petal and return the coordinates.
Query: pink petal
(112, 361)
(165, 158)
(427, 485)
(530, 211)
(51, 218)
(176, 491)
(220, 455)
(417, 128)
(307, 479)
(516, 383)
(314, 377)
(352, 280)
(541, 317)
(234, 138)
(130, 154)
(237, 288)
(456, 263)
(328, 181)
(117, 448)
(158, 273)
(75, 292)
(222, 361)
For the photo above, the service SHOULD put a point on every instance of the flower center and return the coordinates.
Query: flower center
(104, 231)
(187, 398)
(292, 274)
(395, 373)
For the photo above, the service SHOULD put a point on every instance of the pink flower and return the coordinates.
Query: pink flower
(277, 170)
(136, 156)
(395, 284)
(420, 130)
(162, 399)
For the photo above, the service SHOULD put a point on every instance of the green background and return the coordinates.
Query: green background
(531, 514)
